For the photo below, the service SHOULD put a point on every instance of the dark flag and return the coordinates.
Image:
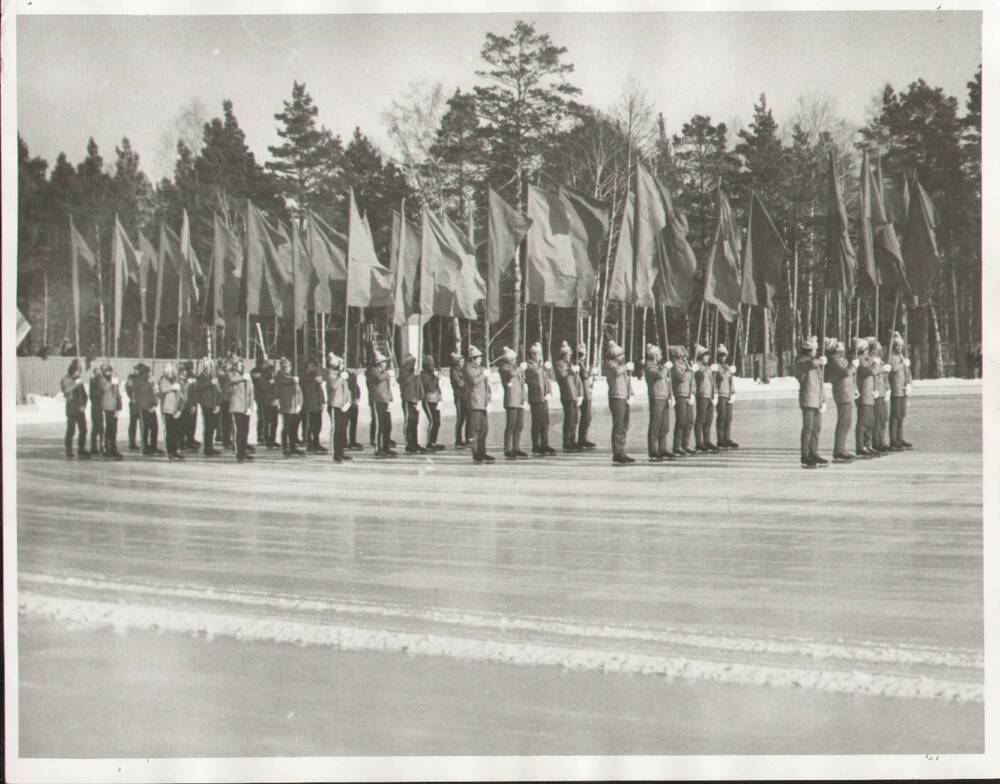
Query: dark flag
(268, 281)
(167, 277)
(128, 300)
(923, 259)
(85, 280)
(841, 263)
(222, 291)
(405, 253)
(369, 283)
(722, 269)
(328, 250)
(867, 272)
(148, 272)
(588, 229)
(762, 257)
(550, 271)
(450, 282)
(622, 285)
(888, 256)
(506, 228)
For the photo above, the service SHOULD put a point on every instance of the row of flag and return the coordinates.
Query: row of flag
(286, 271)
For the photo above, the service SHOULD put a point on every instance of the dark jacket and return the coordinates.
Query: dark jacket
(657, 384)
(515, 390)
(263, 383)
(410, 388)
(477, 386)
(75, 392)
(457, 376)
(682, 379)
(430, 382)
(378, 385)
(568, 380)
(538, 380)
(312, 393)
(288, 393)
(144, 394)
(809, 373)
(209, 394)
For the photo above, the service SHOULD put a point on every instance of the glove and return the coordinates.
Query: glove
(346, 407)
(524, 366)
(822, 361)
(856, 394)
(715, 400)
(548, 395)
(246, 376)
(629, 366)
(524, 406)
(907, 389)
(906, 361)
(691, 400)
(855, 362)
(579, 400)
(732, 399)
(575, 368)
(215, 410)
(177, 414)
(877, 394)
(822, 408)
(115, 381)
(391, 373)
(714, 368)
(175, 387)
(79, 382)
(669, 365)
(595, 370)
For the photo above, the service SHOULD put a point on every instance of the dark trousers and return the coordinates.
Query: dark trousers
(896, 417)
(352, 423)
(703, 422)
(844, 418)
(96, 430)
(659, 426)
(172, 426)
(373, 424)
(189, 421)
(512, 430)
(209, 423)
(462, 427)
(540, 426)
(571, 420)
(619, 424)
(383, 427)
(411, 416)
(241, 426)
(479, 426)
(312, 424)
(76, 424)
(263, 435)
(866, 423)
(585, 414)
(724, 421)
(110, 432)
(682, 423)
(433, 422)
(150, 430)
(289, 432)
(133, 425)
(812, 423)
(225, 425)
(881, 421)
(338, 430)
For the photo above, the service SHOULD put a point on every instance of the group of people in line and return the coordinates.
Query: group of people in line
(877, 388)
(290, 407)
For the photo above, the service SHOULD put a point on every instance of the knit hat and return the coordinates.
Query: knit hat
(581, 349)
(455, 357)
(474, 352)
(861, 344)
(536, 348)
(653, 351)
(565, 349)
(721, 349)
(810, 343)
(380, 357)
(614, 350)
(675, 352)
(428, 361)
(509, 354)
(897, 340)
(409, 360)
(335, 362)
(700, 350)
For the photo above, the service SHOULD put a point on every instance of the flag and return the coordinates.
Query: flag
(450, 283)
(167, 276)
(268, 276)
(762, 257)
(23, 328)
(222, 292)
(722, 269)
(506, 228)
(550, 271)
(301, 271)
(888, 256)
(906, 199)
(85, 281)
(923, 260)
(190, 273)
(867, 271)
(128, 303)
(328, 251)
(405, 253)
(841, 263)
(148, 273)
(622, 285)
(588, 229)
(662, 252)
(369, 283)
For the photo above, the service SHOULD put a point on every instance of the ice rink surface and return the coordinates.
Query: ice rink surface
(730, 603)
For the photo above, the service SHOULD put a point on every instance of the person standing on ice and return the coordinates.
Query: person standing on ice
(76, 409)
(96, 412)
(808, 371)
(900, 382)
(570, 395)
(410, 391)
(430, 394)
(145, 400)
(845, 391)
(242, 393)
(865, 401)
(289, 396)
(682, 381)
(209, 397)
(726, 394)
(587, 376)
(882, 369)
(457, 376)
(339, 401)
(658, 386)
(515, 401)
(705, 399)
(477, 386)
(313, 400)
(539, 391)
(111, 404)
(378, 378)
(171, 394)
(616, 371)
(267, 413)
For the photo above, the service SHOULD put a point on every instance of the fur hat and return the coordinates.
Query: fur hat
(536, 348)
(455, 357)
(409, 360)
(429, 361)
(675, 352)
(581, 349)
(722, 350)
(653, 351)
(474, 352)
(861, 344)
(508, 355)
(335, 362)
(700, 351)
(380, 357)
(897, 340)
(809, 343)
(839, 347)
(614, 350)
(874, 347)
(565, 349)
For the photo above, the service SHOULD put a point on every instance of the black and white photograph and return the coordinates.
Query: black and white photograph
(491, 393)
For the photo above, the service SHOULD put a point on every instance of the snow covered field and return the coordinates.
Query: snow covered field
(730, 603)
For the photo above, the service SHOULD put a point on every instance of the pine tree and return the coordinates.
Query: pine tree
(131, 190)
(458, 147)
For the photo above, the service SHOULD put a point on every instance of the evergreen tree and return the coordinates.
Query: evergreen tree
(131, 191)
(458, 147)
(379, 187)
(762, 157)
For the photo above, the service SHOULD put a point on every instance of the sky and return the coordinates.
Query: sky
(113, 76)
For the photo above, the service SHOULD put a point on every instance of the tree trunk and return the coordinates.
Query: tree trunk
(938, 364)
(516, 322)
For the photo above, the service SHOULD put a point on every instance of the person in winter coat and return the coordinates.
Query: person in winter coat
(242, 393)
(379, 377)
(74, 391)
(289, 396)
(267, 412)
(617, 370)
(808, 371)
(865, 402)
(658, 388)
(313, 400)
(189, 416)
(209, 397)
(900, 384)
(682, 383)
(515, 402)
(587, 376)
(726, 394)
(352, 413)
(706, 398)
(570, 395)
(339, 402)
(457, 376)
(111, 404)
(172, 402)
(539, 391)
(96, 412)
(133, 411)
(411, 393)
(845, 392)
(882, 393)
(144, 399)
(477, 389)
(430, 390)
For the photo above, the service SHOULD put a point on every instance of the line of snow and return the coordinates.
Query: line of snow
(861, 652)
(150, 618)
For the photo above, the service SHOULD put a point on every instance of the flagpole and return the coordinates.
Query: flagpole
(875, 329)
(701, 318)
(295, 309)
(76, 284)
(857, 321)
(100, 292)
(764, 376)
